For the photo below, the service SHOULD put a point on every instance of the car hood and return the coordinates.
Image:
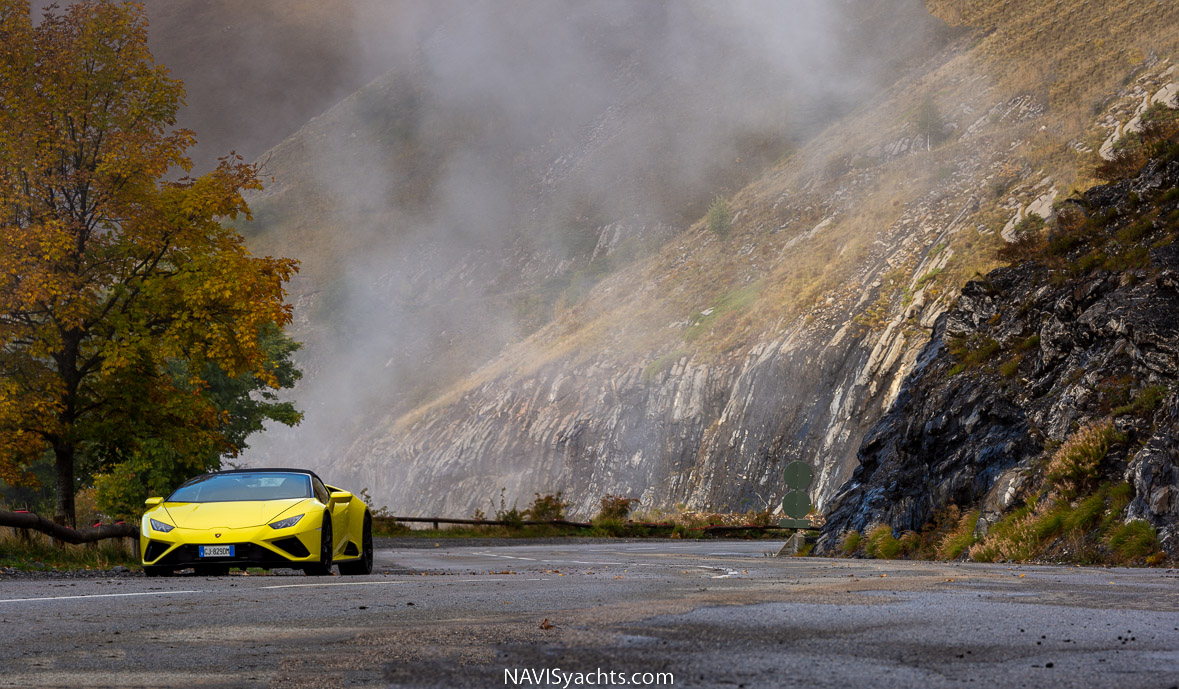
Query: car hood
(229, 515)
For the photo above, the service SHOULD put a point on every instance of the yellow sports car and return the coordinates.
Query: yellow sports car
(257, 518)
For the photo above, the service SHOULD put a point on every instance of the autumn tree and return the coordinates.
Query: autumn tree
(121, 289)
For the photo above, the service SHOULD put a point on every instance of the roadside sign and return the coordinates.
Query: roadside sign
(798, 475)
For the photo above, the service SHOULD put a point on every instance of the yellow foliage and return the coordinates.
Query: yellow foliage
(109, 275)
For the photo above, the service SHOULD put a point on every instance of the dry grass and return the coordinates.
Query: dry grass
(1075, 467)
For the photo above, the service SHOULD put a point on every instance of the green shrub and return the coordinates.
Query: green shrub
(614, 508)
(1085, 516)
(512, 517)
(1133, 541)
(546, 508)
(719, 218)
(1144, 403)
(850, 542)
(1009, 368)
(929, 122)
(960, 539)
(928, 277)
(880, 543)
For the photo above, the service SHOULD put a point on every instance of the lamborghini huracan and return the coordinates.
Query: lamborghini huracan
(256, 518)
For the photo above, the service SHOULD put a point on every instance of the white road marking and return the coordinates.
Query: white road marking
(99, 595)
(509, 557)
(337, 583)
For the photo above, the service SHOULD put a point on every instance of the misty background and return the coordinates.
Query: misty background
(454, 174)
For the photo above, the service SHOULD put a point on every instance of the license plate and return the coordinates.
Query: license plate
(216, 551)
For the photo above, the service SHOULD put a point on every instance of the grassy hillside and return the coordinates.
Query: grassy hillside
(868, 230)
(775, 266)
(473, 217)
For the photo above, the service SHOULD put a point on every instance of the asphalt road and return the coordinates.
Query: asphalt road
(712, 614)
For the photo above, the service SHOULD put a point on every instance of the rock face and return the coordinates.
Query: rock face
(696, 434)
(1039, 350)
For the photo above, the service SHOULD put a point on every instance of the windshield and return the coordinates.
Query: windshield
(261, 485)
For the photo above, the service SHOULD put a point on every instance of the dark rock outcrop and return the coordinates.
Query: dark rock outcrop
(1031, 353)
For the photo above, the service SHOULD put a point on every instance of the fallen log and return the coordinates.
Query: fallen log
(27, 520)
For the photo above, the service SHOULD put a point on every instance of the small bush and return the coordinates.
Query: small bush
(1029, 344)
(1134, 541)
(880, 543)
(512, 517)
(850, 542)
(1027, 240)
(615, 507)
(545, 508)
(1075, 467)
(1009, 368)
(719, 218)
(1085, 516)
(929, 122)
(960, 539)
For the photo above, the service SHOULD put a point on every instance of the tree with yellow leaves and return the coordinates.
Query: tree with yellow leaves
(119, 288)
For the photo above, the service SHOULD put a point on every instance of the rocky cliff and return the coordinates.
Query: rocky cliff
(1034, 356)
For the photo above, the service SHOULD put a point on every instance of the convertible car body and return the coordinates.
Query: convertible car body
(257, 518)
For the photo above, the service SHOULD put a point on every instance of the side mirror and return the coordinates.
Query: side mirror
(339, 496)
(152, 502)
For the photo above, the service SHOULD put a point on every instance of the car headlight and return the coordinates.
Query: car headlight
(161, 526)
(288, 522)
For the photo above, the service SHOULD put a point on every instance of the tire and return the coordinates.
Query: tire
(150, 571)
(363, 564)
(324, 566)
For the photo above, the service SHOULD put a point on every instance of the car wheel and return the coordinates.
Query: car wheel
(324, 566)
(363, 565)
(150, 571)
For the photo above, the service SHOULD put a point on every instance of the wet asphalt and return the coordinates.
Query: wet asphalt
(569, 613)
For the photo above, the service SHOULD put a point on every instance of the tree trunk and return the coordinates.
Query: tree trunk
(63, 452)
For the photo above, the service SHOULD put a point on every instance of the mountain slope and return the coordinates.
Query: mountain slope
(454, 206)
(692, 373)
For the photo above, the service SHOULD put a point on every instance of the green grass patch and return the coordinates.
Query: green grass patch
(928, 277)
(971, 353)
(1134, 541)
(663, 363)
(850, 542)
(1009, 368)
(880, 543)
(1144, 403)
(728, 304)
(38, 553)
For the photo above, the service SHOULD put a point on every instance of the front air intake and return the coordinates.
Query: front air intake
(154, 550)
(293, 546)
